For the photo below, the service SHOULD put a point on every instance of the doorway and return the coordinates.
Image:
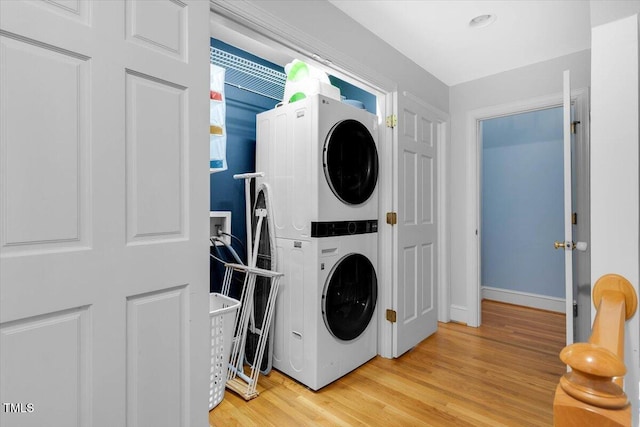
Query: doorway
(522, 198)
(581, 227)
(245, 43)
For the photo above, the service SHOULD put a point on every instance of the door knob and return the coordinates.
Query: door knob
(581, 246)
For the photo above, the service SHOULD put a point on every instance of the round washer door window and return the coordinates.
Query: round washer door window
(350, 162)
(349, 297)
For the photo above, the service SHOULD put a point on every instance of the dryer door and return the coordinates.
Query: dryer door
(350, 162)
(349, 297)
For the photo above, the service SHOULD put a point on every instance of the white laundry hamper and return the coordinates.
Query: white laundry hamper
(222, 318)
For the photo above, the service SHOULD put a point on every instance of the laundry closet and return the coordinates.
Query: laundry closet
(319, 156)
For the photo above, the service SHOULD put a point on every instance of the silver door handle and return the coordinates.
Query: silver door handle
(581, 246)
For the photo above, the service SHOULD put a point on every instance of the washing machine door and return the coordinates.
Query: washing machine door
(349, 297)
(350, 161)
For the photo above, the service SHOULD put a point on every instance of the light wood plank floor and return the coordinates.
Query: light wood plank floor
(501, 374)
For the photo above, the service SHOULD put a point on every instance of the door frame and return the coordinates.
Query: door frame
(474, 157)
(270, 30)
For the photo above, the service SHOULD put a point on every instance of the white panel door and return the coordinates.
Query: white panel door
(415, 250)
(581, 227)
(103, 203)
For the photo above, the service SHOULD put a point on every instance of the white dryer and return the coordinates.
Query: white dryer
(320, 158)
(325, 318)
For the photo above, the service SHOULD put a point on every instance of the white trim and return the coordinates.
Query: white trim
(568, 201)
(525, 299)
(386, 234)
(474, 117)
(444, 258)
(458, 313)
(473, 223)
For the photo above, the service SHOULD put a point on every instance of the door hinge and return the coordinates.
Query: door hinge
(575, 309)
(574, 218)
(392, 121)
(392, 218)
(391, 315)
(573, 127)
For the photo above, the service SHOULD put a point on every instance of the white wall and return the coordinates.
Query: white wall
(524, 83)
(615, 218)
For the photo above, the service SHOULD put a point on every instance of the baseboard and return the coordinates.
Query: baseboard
(541, 302)
(458, 313)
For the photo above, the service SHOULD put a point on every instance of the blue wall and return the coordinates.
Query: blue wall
(227, 194)
(349, 91)
(522, 203)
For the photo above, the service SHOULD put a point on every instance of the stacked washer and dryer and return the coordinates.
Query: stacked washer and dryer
(320, 160)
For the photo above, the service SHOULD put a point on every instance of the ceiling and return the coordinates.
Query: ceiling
(436, 35)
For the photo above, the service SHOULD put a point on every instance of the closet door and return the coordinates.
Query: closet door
(103, 206)
(415, 250)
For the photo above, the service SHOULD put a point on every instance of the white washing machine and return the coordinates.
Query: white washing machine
(320, 159)
(325, 318)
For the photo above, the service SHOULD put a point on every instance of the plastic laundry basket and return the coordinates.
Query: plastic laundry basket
(222, 317)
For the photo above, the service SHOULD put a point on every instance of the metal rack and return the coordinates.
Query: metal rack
(241, 382)
(248, 75)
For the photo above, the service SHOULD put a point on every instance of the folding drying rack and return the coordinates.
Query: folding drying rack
(237, 380)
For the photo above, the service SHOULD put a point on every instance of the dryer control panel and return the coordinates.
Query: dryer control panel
(343, 228)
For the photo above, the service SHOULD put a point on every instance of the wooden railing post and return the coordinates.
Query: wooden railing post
(591, 393)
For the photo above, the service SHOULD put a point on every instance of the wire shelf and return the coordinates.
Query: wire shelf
(248, 75)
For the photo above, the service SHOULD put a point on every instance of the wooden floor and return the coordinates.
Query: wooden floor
(501, 374)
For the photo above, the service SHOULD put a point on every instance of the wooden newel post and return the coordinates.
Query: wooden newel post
(591, 392)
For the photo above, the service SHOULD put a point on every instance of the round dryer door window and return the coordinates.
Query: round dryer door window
(351, 162)
(349, 297)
